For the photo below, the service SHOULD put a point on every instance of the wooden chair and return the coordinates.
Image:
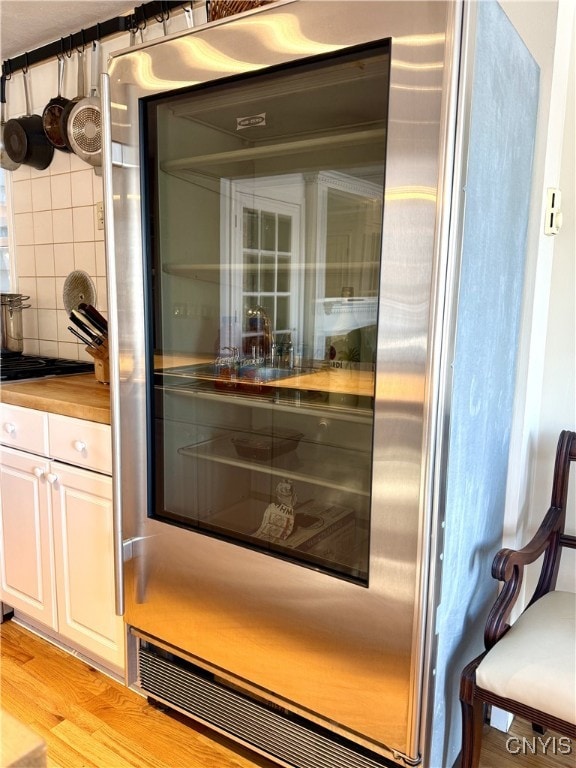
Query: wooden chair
(528, 669)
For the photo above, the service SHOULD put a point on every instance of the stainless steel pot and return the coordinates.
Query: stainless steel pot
(12, 305)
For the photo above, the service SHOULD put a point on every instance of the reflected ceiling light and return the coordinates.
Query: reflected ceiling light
(421, 40)
(199, 54)
(421, 88)
(140, 66)
(115, 105)
(282, 33)
(413, 66)
(410, 193)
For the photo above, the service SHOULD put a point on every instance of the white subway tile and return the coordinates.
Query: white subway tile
(25, 262)
(62, 223)
(63, 321)
(24, 229)
(48, 348)
(31, 346)
(46, 292)
(44, 255)
(22, 196)
(30, 323)
(97, 188)
(83, 223)
(81, 182)
(68, 350)
(41, 195)
(43, 232)
(27, 286)
(101, 294)
(47, 325)
(100, 259)
(61, 191)
(60, 292)
(63, 259)
(85, 257)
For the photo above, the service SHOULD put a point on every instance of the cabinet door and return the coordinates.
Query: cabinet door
(27, 565)
(83, 536)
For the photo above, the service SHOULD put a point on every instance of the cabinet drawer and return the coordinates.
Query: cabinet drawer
(24, 428)
(83, 443)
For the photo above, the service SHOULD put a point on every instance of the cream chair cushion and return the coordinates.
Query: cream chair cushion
(535, 662)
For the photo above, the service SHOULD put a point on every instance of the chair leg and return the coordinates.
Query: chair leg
(472, 725)
(472, 717)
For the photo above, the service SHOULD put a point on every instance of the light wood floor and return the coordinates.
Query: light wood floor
(89, 720)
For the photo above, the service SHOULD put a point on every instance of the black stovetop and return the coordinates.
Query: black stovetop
(18, 367)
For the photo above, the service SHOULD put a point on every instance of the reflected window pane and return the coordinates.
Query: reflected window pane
(250, 228)
(268, 231)
(268, 274)
(283, 275)
(284, 233)
(251, 282)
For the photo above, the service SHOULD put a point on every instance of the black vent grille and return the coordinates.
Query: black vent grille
(294, 742)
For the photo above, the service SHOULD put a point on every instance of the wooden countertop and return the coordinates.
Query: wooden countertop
(80, 396)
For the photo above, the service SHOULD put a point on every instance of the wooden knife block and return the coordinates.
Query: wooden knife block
(101, 362)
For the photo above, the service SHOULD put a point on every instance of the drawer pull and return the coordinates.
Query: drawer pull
(51, 477)
(79, 446)
(39, 472)
(9, 428)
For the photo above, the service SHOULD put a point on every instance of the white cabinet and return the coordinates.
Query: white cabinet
(56, 528)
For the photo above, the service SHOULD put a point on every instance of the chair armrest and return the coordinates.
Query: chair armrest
(508, 567)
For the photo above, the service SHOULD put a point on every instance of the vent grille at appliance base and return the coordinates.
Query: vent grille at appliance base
(285, 737)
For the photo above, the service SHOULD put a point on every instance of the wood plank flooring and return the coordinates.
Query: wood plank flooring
(89, 720)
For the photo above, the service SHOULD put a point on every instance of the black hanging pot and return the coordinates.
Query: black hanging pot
(53, 112)
(25, 140)
(6, 162)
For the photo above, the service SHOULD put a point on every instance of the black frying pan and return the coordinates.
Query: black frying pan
(24, 138)
(53, 111)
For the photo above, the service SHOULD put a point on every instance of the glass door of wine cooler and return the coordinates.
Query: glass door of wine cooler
(265, 222)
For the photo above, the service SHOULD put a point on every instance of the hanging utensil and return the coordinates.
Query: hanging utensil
(5, 160)
(81, 93)
(85, 119)
(78, 288)
(53, 112)
(24, 137)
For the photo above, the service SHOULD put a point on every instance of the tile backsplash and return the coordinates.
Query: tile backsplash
(55, 232)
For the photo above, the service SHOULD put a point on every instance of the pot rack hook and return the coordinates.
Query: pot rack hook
(25, 67)
(164, 15)
(82, 35)
(7, 70)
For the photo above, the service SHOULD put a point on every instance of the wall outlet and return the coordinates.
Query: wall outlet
(100, 215)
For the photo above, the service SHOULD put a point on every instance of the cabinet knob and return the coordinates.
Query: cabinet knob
(51, 477)
(79, 446)
(9, 428)
(39, 472)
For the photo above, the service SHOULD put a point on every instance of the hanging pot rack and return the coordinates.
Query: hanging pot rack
(132, 22)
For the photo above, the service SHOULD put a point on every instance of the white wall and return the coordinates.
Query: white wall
(546, 387)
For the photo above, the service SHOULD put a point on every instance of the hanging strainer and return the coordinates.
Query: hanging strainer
(85, 119)
(78, 289)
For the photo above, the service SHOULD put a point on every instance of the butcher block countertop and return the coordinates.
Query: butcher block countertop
(80, 396)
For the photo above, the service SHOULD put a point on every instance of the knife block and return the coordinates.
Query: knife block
(101, 362)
